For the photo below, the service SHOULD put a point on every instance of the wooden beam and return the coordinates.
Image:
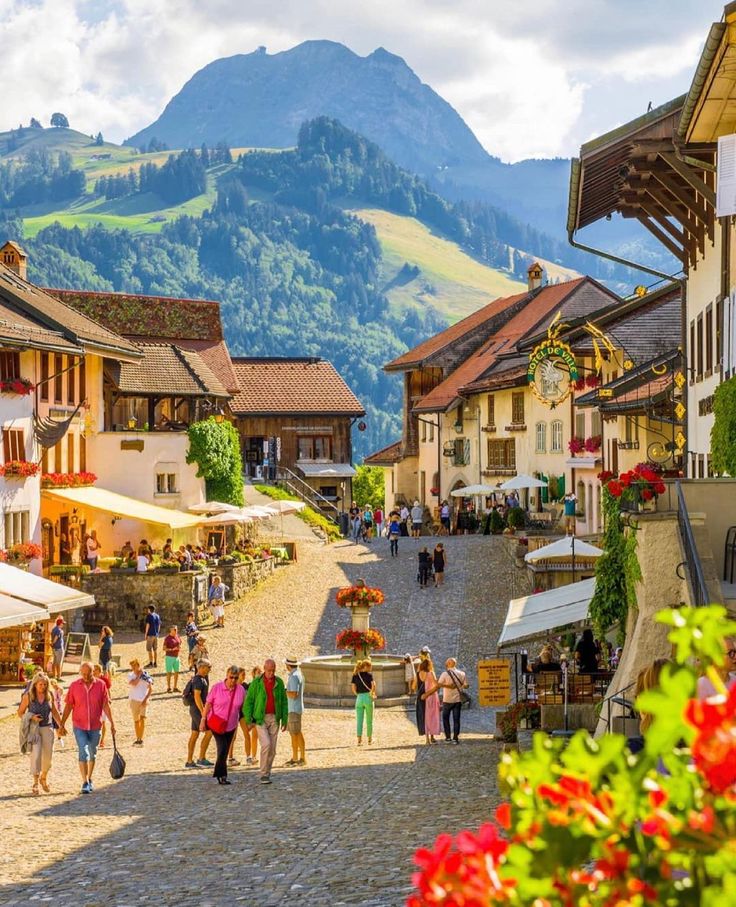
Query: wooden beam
(690, 176)
(677, 251)
(653, 210)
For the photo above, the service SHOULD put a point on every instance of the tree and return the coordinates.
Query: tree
(59, 121)
(99, 140)
(368, 487)
(34, 124)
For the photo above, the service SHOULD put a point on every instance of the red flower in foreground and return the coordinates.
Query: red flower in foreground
(462, 871)
(714, 747)
(615, 488)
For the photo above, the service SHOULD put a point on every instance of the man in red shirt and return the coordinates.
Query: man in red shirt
(87, 699)
(172, 646)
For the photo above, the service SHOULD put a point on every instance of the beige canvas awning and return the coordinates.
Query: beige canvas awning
(15, 613)
(122, 506)
(534, 615)
(42, 593)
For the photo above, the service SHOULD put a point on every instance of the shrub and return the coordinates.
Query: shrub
(516, 518)
(215, 448)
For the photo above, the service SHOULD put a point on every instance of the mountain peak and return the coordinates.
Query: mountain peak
(261, 100)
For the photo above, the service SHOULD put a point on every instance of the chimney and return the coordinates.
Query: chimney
(534, 276)
(14, 258)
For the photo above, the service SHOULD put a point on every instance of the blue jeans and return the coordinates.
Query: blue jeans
(87, 742)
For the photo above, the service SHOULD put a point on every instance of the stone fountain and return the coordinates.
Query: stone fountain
(327, 677)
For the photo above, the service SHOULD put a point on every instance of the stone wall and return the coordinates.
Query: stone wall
(122, 599)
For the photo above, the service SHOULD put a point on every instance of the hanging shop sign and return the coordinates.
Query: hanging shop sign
(552, 369)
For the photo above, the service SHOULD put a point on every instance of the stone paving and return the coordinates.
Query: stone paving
(340, 831)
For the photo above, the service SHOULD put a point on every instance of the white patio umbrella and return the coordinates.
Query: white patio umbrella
(226, 519)
(214, 507)
(522, 481)
(470, 490)
(282, 507)
(257, 512)
(568, 547)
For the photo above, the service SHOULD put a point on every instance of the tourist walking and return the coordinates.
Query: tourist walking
(152, 630)
(266, 707)
(195, 696)
(140, 687)
(394, 531)
(216, 600)
(92, 550)
(425, 567)
(37, 703)
(417, 516)
(364, 688)
(254, 672)
(98, 674)
(172, 647)
(439, 561)
(243, 725)
(410, 674)
(368, 522)
(106, 635)
(295, 704)
(404, 515)
(452, 681)
(378, 519)
(57, 648)
(221, 714)
(86, 701)
(191, 631)
(428, 701)
(444, 519)
(199, 651)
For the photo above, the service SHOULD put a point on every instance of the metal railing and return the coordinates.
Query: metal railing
(621, 700)
(291, 481)
(695, 576)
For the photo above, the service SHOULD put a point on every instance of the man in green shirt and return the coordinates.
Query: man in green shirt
(266, 706)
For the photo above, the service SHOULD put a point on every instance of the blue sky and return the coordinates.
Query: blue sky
(531, 77)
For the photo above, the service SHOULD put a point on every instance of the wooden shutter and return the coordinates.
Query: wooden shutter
(466, 452)
(726, 184)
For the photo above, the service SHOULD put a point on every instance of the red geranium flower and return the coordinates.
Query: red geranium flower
(615, 488)
(714, 747)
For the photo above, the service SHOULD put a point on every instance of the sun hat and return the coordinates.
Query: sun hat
(292, 662)
(426, 650)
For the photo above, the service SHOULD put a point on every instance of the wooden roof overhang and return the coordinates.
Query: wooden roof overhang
(640, 171)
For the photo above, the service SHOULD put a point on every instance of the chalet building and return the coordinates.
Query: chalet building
(661, 169)
(451, 432)
(295, 418)
(183, 374)
(52, 360)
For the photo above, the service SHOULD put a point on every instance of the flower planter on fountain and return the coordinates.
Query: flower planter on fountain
(327, 677)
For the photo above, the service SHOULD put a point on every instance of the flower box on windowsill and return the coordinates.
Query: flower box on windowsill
(488, 428)
(20, 386)
(516, 426)
(19, 469)
(500, 471)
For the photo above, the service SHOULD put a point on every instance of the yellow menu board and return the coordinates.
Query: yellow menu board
(494, 682)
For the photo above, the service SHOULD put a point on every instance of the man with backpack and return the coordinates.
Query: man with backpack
(195, 696)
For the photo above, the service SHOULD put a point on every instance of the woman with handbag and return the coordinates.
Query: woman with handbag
(221, 715)
(40, 705)
(428, 702)
(364, 687)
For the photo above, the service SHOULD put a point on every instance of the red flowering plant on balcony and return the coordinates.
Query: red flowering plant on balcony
(576, 445)
(591, 824)
(360, 640)
(593, 443)
(19, 469)
(67, 479)
(643, 482)
(21, 553)
(359, 595)
(20, 386)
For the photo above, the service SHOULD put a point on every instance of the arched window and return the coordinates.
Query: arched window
(541, 437)
(556, 436)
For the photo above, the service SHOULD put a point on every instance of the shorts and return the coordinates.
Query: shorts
(173, 665)
(416, 526)
(138, 709)
(151, 643)
(58, 656)
(445, 520)
(87, 742)
(196, 717)
(218, 611)
(294, 723)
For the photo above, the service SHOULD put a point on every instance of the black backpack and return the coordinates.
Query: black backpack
(187, 696)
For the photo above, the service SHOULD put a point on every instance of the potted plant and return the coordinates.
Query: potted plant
(516, 518)
(576, 445)
(497, 522)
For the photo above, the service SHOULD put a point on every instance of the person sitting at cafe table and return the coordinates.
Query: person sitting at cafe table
(126, 552)
(547, 661)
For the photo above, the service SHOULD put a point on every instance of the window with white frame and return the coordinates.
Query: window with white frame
(541, 437)
(556, 436)
(167, 478)
(16, 527)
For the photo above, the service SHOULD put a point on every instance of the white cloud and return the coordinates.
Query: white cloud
(524, 75)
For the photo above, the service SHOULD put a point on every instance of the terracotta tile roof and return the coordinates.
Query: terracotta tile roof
(298, 386)
(49, 312)
(167, 369)
(540, 307)
(454, 333)
(214, 353)
(17, 329)
(386, 456)
(505, 373)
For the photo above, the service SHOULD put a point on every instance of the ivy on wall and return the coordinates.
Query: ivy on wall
(723, 433)
(617, 571)
(215, 448)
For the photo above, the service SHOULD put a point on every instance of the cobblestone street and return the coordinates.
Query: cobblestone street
(340, 831)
